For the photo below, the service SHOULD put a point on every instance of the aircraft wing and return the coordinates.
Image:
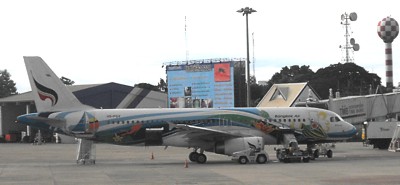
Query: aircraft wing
(206, 134)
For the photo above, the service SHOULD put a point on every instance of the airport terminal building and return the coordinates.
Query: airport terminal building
(107, 96)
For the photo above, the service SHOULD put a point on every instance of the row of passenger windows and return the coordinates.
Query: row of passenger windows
(287, 120)
(332, 119)
(127, 122)
(149, 121)
(203, 121)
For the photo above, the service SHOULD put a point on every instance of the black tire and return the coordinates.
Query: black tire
(193, 156)
(383, 145)
(261, 159)
(243, 160)
(279, 155)
(306, 159)
(286, 160)
(329, 154)
(201, 159)
(316, 154)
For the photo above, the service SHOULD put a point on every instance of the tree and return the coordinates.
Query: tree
(7, 86)
(293, 74)
(147, 86)
(257, 91)
(162, 86)
(67, 81)
(348, 78)
(239, 80)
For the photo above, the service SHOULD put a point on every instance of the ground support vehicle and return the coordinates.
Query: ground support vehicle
(250, 155)
(253, 152)
(290, 152)
(380, 134)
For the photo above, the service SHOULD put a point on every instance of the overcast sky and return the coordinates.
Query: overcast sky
(125, 41)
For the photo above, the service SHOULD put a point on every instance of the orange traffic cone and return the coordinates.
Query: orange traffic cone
(152, 156)
(186, 164)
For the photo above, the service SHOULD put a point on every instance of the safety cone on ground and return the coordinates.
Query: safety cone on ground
(186, 164)
(152, 156)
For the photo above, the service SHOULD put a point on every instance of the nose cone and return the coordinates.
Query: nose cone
(350, 130)
(353, 130)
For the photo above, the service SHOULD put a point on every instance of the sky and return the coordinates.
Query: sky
(127, 42)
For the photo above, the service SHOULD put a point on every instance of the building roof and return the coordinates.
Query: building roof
(282, 95)
(28, 96)
(109, 96)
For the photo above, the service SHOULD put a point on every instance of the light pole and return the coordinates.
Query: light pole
(246, 11)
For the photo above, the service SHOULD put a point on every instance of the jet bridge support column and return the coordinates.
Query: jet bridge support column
(86, 152)
(395, 143)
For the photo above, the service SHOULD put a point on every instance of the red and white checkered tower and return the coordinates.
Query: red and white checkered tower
(388, 29)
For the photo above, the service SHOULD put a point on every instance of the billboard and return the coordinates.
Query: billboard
(200, 85)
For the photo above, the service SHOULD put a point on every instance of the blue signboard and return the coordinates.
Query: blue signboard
(200, 85)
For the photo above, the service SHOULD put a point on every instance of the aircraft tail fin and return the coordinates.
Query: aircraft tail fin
(50, 94)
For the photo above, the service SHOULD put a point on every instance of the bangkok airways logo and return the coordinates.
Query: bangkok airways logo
(46, 93)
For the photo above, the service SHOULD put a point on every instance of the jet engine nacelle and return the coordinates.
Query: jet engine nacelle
(228, 147)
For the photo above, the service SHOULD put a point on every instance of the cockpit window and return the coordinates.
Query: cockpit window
(334, 119)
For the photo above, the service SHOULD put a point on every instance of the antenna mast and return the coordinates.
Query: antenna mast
(186, 42)
(352, 44)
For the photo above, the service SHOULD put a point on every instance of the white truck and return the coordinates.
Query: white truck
(379, 134)
(254, 152)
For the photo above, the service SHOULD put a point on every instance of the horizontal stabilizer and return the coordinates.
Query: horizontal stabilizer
(56, 123)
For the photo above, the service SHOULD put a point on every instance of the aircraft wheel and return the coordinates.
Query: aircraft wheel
(316, 153)
(193, 156)
(261, 159)
(329, 154)
(201, 158)
(243, 160)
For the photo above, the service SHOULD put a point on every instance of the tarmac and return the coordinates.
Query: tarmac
(352, 163)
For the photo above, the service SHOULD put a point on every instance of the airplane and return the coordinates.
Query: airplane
(227, 131)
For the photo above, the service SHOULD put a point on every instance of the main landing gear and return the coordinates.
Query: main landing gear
(200, 158)
(291, 151)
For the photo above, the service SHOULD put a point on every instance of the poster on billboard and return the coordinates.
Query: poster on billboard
(200, 85)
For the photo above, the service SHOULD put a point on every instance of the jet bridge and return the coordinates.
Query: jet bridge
(375, 107)
(358, 109)
(371, 112)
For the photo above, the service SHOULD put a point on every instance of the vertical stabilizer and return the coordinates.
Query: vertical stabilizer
(50, 94)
